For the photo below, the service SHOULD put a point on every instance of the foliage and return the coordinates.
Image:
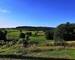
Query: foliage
(49, 34)
(64, 32)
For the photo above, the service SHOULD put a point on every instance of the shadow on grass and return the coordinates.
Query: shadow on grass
(31, 57)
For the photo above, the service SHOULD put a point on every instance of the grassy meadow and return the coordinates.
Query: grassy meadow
(44, 48)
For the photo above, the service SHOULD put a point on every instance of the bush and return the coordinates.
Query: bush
(29, 33)
(49, 35)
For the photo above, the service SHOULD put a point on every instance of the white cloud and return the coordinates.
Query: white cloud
(4, 11)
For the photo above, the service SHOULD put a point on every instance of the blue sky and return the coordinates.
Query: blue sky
(36, 12)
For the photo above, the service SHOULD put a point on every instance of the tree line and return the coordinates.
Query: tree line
(31, 28)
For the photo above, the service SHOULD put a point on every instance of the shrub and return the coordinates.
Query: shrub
(49, 35)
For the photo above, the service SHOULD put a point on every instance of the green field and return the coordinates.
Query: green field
(40, 50)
